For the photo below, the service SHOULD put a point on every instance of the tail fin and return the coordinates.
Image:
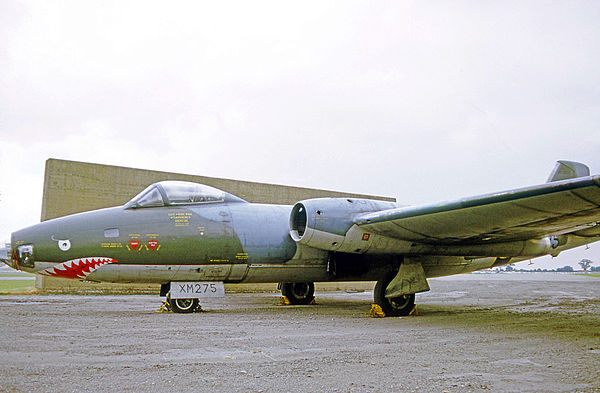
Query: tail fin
(568, 170)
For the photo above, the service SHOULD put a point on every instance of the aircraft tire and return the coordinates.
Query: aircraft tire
(298, 292)
(183, 306)
(392, 307)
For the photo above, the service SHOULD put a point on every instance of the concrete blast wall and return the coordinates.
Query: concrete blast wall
(73, 187)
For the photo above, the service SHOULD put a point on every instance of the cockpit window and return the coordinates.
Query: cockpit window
(150, 197)
(171, 192)
(179, 192)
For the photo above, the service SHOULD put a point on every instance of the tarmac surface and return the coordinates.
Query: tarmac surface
(473, 333)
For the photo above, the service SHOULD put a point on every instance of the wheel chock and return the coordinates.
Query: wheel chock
(376, 311)
(165, 307)
(284, 301)
(413, 312)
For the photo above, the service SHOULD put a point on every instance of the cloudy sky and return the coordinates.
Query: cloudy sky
(423, 101)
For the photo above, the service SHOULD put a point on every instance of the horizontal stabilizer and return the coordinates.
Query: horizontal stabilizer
(568, 170)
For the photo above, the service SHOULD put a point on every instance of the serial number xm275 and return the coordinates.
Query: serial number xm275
(192, 238)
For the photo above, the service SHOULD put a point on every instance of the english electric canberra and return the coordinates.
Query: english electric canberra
(192, 238)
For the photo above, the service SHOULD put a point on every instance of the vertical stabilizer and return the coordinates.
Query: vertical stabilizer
(568, 170)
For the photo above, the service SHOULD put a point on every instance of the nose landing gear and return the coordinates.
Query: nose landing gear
(181, 306)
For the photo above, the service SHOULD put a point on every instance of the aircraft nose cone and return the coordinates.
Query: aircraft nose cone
(29, 245)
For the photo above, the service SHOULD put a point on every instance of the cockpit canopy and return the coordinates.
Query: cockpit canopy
(171, 192)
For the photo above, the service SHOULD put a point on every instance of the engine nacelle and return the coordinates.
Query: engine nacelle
(325, 223)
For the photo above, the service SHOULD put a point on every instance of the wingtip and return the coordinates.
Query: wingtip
(564, 170)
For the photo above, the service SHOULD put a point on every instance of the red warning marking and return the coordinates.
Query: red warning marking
(152, 244)
(134, 244)
(366, 236)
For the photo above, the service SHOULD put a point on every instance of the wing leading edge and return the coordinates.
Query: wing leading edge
(527, 213)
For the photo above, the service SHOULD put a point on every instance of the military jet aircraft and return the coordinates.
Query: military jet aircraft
(192, 238)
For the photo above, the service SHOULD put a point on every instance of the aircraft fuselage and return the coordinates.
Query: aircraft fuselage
(160, 244)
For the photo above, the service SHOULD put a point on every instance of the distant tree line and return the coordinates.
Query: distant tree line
(584, 263)
(565, 269)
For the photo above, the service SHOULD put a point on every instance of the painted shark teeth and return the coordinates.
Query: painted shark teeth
(76, 268)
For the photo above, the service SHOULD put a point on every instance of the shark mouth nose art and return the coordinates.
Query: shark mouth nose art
(76, 268)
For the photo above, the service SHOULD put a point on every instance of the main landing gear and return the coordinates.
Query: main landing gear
(395, 306)
(298, 292)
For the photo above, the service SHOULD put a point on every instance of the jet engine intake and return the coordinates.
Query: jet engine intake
(325, 223)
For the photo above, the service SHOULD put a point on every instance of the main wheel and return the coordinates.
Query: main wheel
(183, 305)
(395, 306)
(298, 292)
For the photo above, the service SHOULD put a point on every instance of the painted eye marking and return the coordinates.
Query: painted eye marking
(64, 245)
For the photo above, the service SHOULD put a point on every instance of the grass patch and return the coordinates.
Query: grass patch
(546, 323)
(590, 274)
(17, 275)
(16, 285)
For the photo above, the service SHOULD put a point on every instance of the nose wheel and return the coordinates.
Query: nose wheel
(183, 306)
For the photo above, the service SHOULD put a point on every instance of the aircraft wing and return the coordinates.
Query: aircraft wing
(527, 213)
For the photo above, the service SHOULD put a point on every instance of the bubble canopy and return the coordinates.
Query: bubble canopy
(172, 192)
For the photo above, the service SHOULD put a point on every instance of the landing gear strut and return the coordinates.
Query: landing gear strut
(395, 306)
(298, 292)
